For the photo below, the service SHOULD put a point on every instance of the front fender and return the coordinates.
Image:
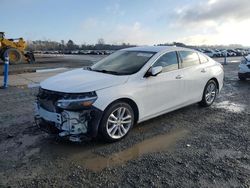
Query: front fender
(131, 91)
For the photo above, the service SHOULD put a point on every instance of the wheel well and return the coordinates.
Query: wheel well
(131, 103)
(217, 83)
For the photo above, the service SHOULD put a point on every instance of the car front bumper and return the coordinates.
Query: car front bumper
(244, 75)
(68, 124)
(244, 70)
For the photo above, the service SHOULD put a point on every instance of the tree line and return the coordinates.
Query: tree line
(46, 45)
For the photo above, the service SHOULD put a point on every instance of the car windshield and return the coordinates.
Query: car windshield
(123, 62)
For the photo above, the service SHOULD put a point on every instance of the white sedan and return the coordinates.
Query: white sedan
(130, 86)
(244, 68)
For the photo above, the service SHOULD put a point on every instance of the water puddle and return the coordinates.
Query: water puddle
(159, 143)
(229, 106)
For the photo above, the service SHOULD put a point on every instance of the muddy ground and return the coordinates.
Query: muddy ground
(190, 147)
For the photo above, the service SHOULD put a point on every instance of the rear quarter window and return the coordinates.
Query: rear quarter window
(189, 58)
(203, 59)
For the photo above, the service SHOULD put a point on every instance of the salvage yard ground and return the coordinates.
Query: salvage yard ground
(190, 147)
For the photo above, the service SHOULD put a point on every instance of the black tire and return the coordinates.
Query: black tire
(242, 78)
(103, 127)
(15, 56)
(204, 102)
(30, 57)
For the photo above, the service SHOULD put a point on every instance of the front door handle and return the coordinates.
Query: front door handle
(179, 77)
(203, 70)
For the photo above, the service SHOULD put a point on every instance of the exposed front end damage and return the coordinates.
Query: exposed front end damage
(71, 116)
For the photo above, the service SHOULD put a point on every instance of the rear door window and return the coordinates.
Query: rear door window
(189, 58)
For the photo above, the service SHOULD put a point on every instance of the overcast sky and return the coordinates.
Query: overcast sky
(131, 21)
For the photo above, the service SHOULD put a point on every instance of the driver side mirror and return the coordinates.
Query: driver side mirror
(154, 71)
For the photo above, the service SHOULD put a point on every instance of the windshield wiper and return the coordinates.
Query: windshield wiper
(87, 68)
(102, 71)
(107, 71)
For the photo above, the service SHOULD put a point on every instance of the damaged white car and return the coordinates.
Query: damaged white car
(130, 86)
(244, 68)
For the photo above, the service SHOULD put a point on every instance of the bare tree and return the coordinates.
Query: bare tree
(101, 41)
(70, 45)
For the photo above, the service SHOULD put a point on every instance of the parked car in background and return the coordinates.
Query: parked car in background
(225, 52)
(247, 51)
(75, 52)
(128, 87)
(231, 52)
(209, 52)
(218, 53)
(240, 52)
(244, 68)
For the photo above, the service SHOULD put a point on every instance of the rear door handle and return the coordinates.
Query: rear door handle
(203, 70)
(179, 77)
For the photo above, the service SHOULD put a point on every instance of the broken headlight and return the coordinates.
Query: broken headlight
(75, 104)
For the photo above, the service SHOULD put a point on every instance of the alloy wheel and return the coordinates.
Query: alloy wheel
(119, 123)
(210, 93)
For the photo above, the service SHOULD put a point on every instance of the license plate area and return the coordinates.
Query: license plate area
(48, 116)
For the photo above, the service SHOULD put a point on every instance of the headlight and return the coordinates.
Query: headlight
(76, 104)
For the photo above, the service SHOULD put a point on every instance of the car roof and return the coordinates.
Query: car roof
(155, 48)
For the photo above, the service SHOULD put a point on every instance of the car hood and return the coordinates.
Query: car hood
(80, 81)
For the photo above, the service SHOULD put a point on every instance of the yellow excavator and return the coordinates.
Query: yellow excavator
(15, 49)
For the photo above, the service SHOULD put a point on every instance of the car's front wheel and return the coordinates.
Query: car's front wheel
(117, 121)
(209, 94)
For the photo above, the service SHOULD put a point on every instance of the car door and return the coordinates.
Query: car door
(165, 90)
(194, 75)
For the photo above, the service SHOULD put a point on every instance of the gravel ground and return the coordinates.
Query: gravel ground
(190, 147)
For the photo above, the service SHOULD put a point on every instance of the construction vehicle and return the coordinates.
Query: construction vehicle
(15, 50)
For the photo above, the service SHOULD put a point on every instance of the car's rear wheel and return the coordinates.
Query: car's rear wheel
(117, 121)
(209, 94)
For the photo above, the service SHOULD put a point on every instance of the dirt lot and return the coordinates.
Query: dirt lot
(190, 147)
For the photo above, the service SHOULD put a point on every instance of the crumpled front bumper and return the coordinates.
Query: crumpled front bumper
(69, 124)
(244, 70)
(245, 75)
